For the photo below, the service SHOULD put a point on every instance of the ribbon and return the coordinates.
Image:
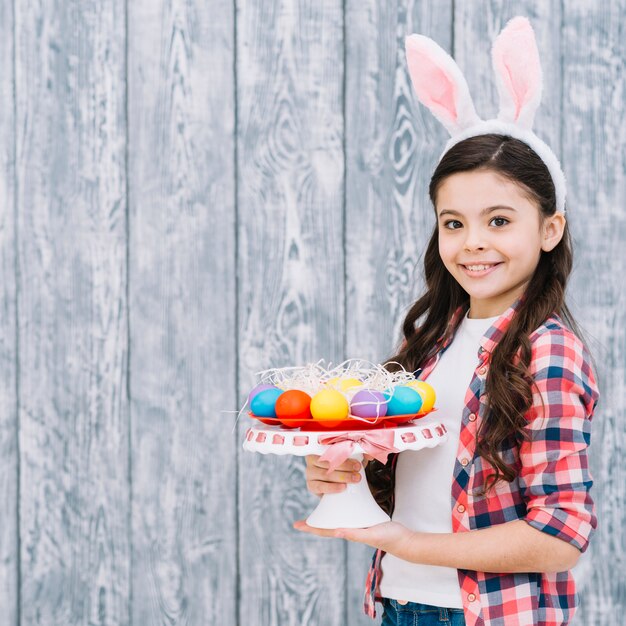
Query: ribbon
(377, 443)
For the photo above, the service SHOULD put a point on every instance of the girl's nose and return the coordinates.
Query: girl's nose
(474, 241)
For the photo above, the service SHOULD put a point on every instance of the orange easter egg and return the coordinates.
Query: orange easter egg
(293, 405)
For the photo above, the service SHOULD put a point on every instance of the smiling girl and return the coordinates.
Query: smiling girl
(485, 528)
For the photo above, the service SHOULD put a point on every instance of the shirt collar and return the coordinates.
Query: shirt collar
(493, 335)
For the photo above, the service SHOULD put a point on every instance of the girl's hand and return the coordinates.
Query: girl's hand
(319, 482)
(391, 537)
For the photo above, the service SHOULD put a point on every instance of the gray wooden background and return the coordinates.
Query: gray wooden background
(193, 191)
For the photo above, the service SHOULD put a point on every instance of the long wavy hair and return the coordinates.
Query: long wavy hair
(508, 383)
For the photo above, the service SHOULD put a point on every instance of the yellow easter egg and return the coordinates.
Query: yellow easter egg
(343, 383)
(346, 383)
(329, 407)
(426, 391)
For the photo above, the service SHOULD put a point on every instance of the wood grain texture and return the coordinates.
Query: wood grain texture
(392, 145)
(9, 533)
(291, 289)
(72, 312)
(594, 161)
(182, 312)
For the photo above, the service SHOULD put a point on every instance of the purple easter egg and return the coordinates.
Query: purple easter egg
(368, 403)
(258, 389)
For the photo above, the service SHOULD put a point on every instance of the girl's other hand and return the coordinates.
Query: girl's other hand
(319, 482)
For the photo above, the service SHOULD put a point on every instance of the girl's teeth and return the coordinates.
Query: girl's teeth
(478, 268)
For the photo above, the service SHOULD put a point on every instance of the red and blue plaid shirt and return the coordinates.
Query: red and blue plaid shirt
(551, 492)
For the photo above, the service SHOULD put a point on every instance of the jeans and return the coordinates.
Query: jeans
(418, 614)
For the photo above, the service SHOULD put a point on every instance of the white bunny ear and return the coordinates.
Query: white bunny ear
(440, 84)
(518, 72)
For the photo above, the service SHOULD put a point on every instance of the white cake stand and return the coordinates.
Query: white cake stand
(355, 507)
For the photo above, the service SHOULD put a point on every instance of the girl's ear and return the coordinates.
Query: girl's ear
(518, 72)
(439, 83)
(553, 229)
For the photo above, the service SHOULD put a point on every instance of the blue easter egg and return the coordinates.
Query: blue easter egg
(404, 401)
(263, 404)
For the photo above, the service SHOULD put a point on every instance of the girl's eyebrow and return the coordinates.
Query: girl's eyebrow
(497, 207)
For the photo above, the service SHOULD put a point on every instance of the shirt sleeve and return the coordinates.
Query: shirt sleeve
(554, 478)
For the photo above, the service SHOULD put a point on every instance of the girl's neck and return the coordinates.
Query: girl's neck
(493, 307)
(483, 309)
(469, 316)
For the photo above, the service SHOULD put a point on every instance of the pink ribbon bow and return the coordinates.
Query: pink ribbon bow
(377, 443)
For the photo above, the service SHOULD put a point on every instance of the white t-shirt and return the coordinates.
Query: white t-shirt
(423, 488)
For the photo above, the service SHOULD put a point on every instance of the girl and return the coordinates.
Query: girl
(485, 528)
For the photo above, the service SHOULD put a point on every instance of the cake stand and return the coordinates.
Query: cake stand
(354, 507)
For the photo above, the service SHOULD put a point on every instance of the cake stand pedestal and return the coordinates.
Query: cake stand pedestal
(355, 507)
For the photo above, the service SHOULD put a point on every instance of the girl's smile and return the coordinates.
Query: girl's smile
(491, 235)
(476, 270)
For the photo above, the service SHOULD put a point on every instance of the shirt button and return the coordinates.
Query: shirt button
(460, 508)
(471, 597)
(472, 417)
(482, 370)
(464, 462)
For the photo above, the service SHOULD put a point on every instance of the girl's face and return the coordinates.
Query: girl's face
(491, 237)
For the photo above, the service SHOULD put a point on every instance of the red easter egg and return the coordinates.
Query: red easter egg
(293, 405)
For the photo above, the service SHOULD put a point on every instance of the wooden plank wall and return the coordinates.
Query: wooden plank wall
(9, 454)
(195, 191)
(72, 333)
(182, 303)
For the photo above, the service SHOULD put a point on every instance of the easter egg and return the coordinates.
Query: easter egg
(369, 403)
(426, 391)
(293, 405)
(329, 407)
(257, 390)
(404, 400)
(344, 383)
(264, 403)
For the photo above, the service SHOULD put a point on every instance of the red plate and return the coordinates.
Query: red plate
(389, 421)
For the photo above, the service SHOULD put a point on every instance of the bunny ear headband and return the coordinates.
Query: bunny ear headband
(441, 86)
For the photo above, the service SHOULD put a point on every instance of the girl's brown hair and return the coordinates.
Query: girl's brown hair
(508, 383)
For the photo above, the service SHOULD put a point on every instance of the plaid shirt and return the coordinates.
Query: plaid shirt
(551, 492)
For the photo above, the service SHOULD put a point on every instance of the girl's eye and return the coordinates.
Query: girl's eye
(455, 224)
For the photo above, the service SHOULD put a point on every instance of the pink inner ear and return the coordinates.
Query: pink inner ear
(521, 80)
(517, 60)
(433, 87)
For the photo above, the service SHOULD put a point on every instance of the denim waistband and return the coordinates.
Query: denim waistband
(420, 608)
